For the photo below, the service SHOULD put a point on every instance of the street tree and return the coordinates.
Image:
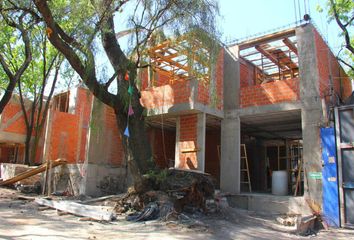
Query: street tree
(96, 22)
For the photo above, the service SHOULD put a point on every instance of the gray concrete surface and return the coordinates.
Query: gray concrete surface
(311, 111)
(230, 155)
(271, 204)
(21, 220)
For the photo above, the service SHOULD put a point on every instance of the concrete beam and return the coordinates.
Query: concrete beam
(12, 137)
(185, 108)
(286, 106)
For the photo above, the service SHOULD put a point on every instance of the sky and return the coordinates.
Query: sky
(243, 18)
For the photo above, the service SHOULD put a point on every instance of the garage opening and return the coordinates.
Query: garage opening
(273, 144)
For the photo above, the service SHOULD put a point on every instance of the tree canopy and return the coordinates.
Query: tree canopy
(342, 12)
(80, 29)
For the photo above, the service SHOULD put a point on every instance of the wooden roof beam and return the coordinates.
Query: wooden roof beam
(271, 57)
(290, 45)
(266, 39)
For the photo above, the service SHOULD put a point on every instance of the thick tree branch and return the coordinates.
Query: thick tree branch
(112, 48)
(87, 72)
(345, 63)
(15, 77)
(342, 26)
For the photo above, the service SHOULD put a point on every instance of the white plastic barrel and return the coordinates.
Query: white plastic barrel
(280, 183)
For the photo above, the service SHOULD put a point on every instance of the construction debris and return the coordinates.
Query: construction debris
(168, 193)
(32, 172)
(101, 213)
(150, 212)
(287, 220)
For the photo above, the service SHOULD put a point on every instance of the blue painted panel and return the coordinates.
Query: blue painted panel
(329, 178)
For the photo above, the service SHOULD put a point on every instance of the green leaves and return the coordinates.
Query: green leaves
(342, 12)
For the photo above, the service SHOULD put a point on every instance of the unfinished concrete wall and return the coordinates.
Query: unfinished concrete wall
(10, 170)
(87, 137)
(104, 169)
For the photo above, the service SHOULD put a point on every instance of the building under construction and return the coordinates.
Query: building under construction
(257, 111)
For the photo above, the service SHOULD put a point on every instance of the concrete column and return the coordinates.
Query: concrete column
(231, 79)
(178, 130)
(311, 111)
(230, 155)
(201, 132)
(230, 126)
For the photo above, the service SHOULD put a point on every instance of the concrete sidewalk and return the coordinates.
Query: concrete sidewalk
(20, 219)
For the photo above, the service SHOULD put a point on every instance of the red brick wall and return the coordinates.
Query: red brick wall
(65, 130)
(270, 93)
(113, 138)
(83, 110)
(6, 154)
(64, 136)
(328, 65)
(18, 126)
(247, 77)
(164, 92)
(204, 88)
(188, 140)
(346, 85)
(167, 95)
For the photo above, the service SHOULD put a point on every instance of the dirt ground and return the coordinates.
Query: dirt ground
(21, 219)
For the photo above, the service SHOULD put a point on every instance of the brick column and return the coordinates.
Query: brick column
(190, 142)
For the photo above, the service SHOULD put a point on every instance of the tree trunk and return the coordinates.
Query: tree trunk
(7, 95)
(28, 148)
(136, 147)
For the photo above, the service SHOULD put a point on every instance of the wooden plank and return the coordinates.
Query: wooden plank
(271, 57)
(190, 150)
(290, 45)
(32, 172)
(266, 38)
(101, 213)
(103, 198)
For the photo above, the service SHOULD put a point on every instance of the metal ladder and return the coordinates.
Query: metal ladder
(244, 168)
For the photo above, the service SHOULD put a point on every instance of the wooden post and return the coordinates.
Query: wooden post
(49, 183)
(45, 178)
